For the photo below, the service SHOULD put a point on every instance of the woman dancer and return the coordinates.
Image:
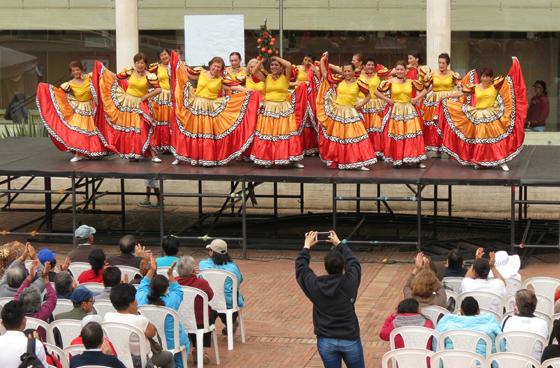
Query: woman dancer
(253, 83)
(403, 142)
(235, 71)
(68, 114)
(488, 129)
(211, 130)
(278, 139)
(162, 105)
(127, 122)
(343, 139)
(307, 74)
(443, 84)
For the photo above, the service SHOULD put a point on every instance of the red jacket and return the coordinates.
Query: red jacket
(201, 284)
(389, 326)
(89, 276)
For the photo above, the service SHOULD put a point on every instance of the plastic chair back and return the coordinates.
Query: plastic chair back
(130, 272)
(511, 360)
(413, 336)
(551, 363)
(187, 309)
(217, 279)
(58, 353)
(452, 283)
(62, 306)
(487, 301)
(465, 340)
(119, 334)
(94, 287)
(456, 359)
(520, 342)
(543, 285)
(103, 307)
(68, 330)
(434, 313)
(77, 268)
(406, 358)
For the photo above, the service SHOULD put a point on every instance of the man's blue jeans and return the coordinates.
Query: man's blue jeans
(333, 351)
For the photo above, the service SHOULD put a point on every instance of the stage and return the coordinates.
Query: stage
(36, 158)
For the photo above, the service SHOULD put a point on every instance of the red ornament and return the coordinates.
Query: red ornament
(272, 42)
(269, 51)
(263, 49)
(259, 40)
(265, 35)
(273, 39)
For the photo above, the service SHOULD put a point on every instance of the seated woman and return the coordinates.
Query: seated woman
(423, 284)
(407, 314)
(170, 248)
(96, 260)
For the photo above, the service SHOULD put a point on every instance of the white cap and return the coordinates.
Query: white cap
(218, 246)
(84, 232)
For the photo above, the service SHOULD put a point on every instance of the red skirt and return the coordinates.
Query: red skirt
(306, 112)
(70, 123)
(403, 141)
(162, 112)
(373, 122)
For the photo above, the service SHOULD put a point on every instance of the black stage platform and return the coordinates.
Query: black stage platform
(33, 158)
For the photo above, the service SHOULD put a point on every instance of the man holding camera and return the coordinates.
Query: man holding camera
(333, 296)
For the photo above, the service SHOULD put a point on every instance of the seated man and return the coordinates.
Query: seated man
(471, 319)
(454, 266)
(131, 253)
(84, 238)
(106, 347)
(123, 298)
(111, 277)
(524, 319)
(82, 298)
(92, 337)
(476, 278)
(64, 284)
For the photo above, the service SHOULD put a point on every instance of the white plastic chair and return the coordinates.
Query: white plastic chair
(131, 272)
(544, 304)
(157, 315)
(68, 329)
(103, 307)
(406, 358)
(543, 285)
(35, 323)
(77, 268)
(521, 342)
(434, 313)
(73, 350)
(94, 287)
(415, 337)
(59, 353)
(465, 340)
(551, 363)
(451, 295)
(119, 334)
(456, 359)
(4, 301)
(62, 306)
(512, 285)
(188, 317)
(163, 271)
(452, 283)
(540, 315)
(487, 301)
(217, 279)
(511, 360)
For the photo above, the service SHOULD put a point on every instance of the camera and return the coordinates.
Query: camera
(323, 236)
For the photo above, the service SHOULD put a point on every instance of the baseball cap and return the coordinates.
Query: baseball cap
(81, 294)
(45, 255)
(84, 232)
(218, 246)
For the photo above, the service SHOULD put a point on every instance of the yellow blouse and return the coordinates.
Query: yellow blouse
(163, 77)
(485, 97)
(372, 82)
(276, 89)
(442, 83)
(80, 91)
(401, 92)
(137, 85)
(251, 85)
(240, 75)
(302, 76)
(347, 93)
(208, 87)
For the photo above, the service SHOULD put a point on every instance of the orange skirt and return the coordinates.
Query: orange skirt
(162, 112)
(403, 140)
(373, 122)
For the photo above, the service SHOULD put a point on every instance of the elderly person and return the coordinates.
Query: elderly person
(111, 277)
(64, 284)
(16, 273)
(82, 299)
(131, 253)
(186, 268)
(219, 259)
(476, 278)
(423, 284)
(84, 238)
(92, 337)
(164, 291)
(170, 248)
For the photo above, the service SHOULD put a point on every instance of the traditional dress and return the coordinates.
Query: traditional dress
(403, 142)
(441, 87)
(68, 114)
(239, 75)
(373, 110)
(343, 139)
(307, 107)
(126, 121)
(254, 84)
(278, 138)
(487, 130)
(210, 130)
(162, 109)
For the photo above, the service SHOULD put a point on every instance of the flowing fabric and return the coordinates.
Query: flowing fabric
(306, 108)
(374, 109)
(162, 110)
(488, 136)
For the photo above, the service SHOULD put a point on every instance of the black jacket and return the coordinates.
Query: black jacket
(333, 296)
(95, 358)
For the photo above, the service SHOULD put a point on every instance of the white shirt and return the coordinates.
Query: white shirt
(135, 320)
(528, 324)
(496, 286)
(14, 345)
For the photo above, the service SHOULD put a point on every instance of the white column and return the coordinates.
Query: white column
(126, 25)
(438, 30)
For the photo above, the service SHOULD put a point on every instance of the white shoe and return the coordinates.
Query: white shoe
(156, 159)
(421, 166)
(505, 167)
(176, 162)
(363, 168)
(297, 165)
(76, 159)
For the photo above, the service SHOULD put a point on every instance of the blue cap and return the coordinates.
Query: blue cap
(81, 294)
(46, 255)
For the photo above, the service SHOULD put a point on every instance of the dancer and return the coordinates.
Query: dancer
(253, 83)
(68, 114)
(373, 110)
(488, 129)
(442, 84)
(412, 68)
(235, 71)
(307, 74)
(403, 142)
(127, 123)
(162, 105)
(210, 130)
(278, 139)
(343, 139)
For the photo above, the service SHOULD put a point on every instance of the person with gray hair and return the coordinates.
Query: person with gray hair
(186, 268)
(16, 272)
(84, 237)
(64, 284)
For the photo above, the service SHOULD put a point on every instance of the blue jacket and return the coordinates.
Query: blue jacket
(208, 264)
(485, 323)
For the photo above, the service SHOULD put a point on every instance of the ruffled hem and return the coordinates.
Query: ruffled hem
(403, 140)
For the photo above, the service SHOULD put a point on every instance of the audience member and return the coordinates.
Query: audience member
(84, 239)
(16, 273)
(13, 341)
(476, 278)
(64, 285)
(454, 266)
(170, 247)
(538, 108)
(144, 268)
(423, 284)
(471, 319)
(333, 296)
(524, 319)
(164, 291)
(97, 262)
(507, 265)
(31, 296)
(123, 298)
(82, 299)
(187, 277)
(46, 255)
(407, 314)
(111, 277)
(131, 253)
(106, 347)
(552, 350)
(92, 337)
